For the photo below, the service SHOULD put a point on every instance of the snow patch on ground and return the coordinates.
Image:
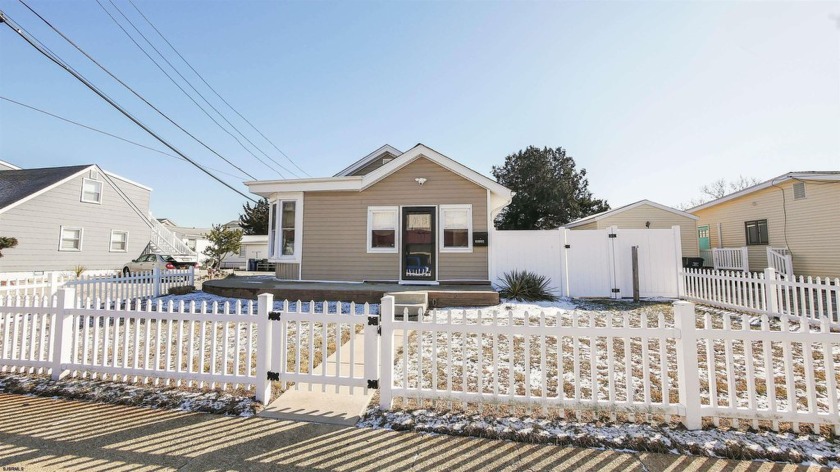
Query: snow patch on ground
(730, 444)
(118, 393)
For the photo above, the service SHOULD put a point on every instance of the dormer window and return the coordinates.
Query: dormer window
(91, 191)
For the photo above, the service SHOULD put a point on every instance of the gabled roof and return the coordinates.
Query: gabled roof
(19, 185)
(358, 183)
(8, 166)
(830, 175)
(361, 163)
(615, 211)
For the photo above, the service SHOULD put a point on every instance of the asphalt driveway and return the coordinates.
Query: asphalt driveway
(53, 434)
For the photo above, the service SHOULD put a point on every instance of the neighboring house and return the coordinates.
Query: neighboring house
(799, 211)
(646, 214)
(254, 247)
(71, 216)
(195, 238)
(413, 217)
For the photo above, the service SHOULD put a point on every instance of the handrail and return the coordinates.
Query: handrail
(166, 240)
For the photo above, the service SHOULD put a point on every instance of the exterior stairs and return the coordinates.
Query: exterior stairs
(410, 303)
(164, 241)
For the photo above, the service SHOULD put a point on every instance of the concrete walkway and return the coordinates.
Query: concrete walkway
(322, 403)
(47, 434)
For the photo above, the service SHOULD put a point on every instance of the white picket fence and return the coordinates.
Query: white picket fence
(99, 284)
(731, 259)
(780, 259)
(768, 293)
(203, 345)
(644, 367)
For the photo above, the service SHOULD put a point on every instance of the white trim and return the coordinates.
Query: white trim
(266, 188)
(45, 189)
(61, 238)
(85, 181)
(615, 211)
(368, 159)
(276, 221)
(9, 165)
(418, 282)
(111, 242)
(441, 220)
(119, 177)
(770, 183)
(383, 209)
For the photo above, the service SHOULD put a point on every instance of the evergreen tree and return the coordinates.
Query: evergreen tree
(7, 243)
(550, 191)
(255, 218)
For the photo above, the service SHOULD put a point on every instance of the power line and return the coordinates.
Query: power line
(58, 61)
(136, 94)
(91, 128)
(214, 90)
(171, 79)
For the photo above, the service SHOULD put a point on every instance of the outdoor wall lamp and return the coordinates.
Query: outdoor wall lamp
(420, 180)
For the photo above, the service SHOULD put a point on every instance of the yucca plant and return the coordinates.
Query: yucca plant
(528, 286)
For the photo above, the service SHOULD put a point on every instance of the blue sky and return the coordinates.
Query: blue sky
(654, 99)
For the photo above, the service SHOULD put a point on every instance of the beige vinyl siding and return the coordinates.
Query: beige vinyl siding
(635, 218)
(590, 225)
(373, 165)
(335, 226)
(287, 271)
(36, 224)
(813, 225)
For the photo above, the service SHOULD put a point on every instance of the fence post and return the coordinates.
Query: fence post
(192, 277)
(678, 255)
(745, 259)
(386, 381)
(771, 296)
(65, 300)
(687, 364)
(156, 282)
(53, 283)
(371, 369)
(265, 303)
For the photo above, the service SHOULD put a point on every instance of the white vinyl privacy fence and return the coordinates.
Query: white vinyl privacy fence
(778, 373)
(593, 263)
(98, 284)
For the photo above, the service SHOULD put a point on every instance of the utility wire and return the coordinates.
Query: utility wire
(215, 92)
(108, 134)
(171, 79)
(58, 61)
(188, 82)
(136, 94)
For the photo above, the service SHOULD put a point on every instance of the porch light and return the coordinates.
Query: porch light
(420, 180)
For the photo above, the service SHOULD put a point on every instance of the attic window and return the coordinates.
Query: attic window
(799, 190)
(91, 191)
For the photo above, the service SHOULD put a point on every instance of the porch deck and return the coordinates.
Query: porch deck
(438, 295)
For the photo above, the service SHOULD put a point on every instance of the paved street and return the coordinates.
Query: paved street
(49, 434)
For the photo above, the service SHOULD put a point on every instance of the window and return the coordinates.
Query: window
(382, 229)
(287, 228)
(756, 232)
(272, 229)
(456, 228)
(799, 190)
(91, 191)
(119, 241)
(241, 250)
(70, 239)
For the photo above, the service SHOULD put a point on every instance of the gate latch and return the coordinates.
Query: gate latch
(373, 383)
(275, 376)
(274, 315)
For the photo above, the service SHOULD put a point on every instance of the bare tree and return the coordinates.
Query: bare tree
(719, 188)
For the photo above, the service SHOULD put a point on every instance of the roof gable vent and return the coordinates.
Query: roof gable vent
(799, 190)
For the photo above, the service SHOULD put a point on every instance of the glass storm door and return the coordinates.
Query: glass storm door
(418, 243)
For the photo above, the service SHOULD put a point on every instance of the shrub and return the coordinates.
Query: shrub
(528, 286)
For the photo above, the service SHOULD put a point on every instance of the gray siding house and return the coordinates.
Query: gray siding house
(414, 217)
(65, 217)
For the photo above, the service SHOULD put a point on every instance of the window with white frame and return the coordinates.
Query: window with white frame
(119, 241)
(456, 228)
(272, 229)
(287, 228)
(91, 191)
(382, 225)
(70, 239)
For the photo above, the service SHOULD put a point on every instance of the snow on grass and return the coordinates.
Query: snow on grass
(731, 444)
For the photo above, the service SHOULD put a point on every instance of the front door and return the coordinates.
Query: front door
(703, 237)
(418, 244)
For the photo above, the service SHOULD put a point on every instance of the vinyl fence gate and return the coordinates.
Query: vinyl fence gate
(320, 343)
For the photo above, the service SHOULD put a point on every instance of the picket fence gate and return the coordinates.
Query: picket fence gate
(716, 366)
